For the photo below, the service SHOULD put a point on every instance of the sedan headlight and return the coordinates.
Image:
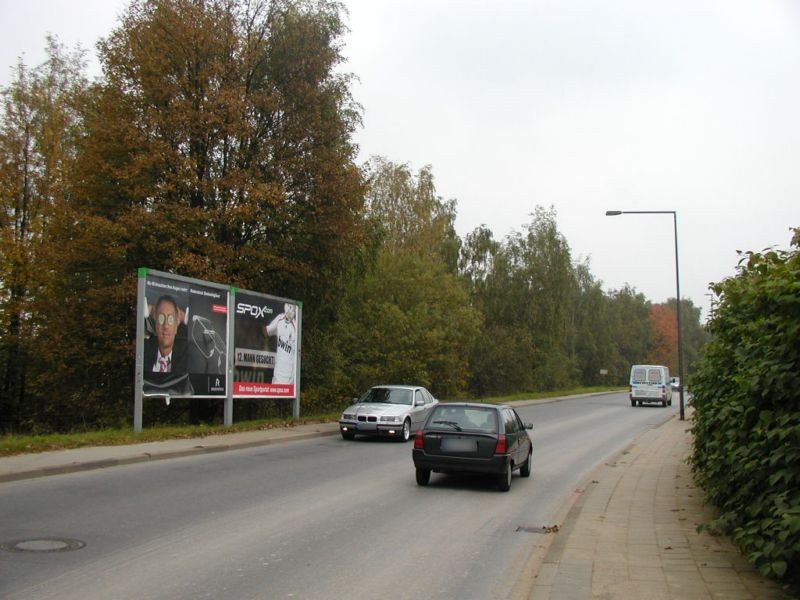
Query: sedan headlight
(390, 419)
(348, 417)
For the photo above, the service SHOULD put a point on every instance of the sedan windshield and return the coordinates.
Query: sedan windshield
(387, 396)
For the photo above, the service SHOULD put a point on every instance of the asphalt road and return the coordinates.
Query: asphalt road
(320, 518)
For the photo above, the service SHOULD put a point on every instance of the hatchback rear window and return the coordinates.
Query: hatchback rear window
(465, 418)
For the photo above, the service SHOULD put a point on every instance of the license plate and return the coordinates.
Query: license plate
(458, 445)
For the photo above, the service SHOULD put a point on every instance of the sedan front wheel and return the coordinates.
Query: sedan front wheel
(406, 430)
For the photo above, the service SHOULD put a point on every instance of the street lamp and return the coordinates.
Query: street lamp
(614, 213)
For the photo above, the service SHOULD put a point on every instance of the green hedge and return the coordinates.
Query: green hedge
(747, 410)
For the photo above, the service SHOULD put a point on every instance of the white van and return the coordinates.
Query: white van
(650, 383)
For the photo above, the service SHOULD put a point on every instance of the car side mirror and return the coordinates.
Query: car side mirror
(419, 402)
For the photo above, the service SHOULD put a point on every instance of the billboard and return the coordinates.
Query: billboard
(266, 342)
(185, 332)
(197, 339)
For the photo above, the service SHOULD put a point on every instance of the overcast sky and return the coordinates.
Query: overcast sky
(586, 106)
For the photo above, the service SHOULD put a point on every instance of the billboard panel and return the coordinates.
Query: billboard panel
(185, 324)
(266, 339)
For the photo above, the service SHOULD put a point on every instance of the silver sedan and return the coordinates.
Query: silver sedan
(396, 411)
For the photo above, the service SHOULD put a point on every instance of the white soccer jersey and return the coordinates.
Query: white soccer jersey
(287, 348)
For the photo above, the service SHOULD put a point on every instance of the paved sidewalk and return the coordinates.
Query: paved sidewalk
(631, 534)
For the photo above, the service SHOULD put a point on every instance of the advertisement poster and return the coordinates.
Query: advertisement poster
(266, 337)
(185, 337)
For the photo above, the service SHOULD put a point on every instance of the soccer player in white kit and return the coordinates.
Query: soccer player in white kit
(285, 328)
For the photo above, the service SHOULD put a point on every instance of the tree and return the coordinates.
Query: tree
(631, 331)
(524, 287)
(405, 316)
(664, 348)
(217, 146)
(592, 346)
(664, 344)
(409, 321)
(411, 217)
(39, 131)
(694, 335)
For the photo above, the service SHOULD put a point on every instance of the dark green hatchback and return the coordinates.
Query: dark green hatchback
(473, 438)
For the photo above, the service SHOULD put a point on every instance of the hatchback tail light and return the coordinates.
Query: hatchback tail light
(500, 448)
(418, 440)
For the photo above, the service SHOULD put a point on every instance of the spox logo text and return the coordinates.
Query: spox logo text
(252, 310)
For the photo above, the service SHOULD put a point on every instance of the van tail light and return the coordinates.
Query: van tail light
(501, 444)
(418, 440)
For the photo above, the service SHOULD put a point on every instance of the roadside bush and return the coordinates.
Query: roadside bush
(747, 410)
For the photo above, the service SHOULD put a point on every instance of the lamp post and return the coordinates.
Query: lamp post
(614, 213)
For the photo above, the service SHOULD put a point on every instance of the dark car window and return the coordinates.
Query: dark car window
(464, 418)
(510, 421)
(520, 424)
(387, 396)
(418, 397)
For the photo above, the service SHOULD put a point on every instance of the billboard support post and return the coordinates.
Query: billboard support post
(228, 409)
(137, 401)
(296, 406)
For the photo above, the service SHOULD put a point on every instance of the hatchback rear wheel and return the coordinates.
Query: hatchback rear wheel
(423, 476)
(504, 480)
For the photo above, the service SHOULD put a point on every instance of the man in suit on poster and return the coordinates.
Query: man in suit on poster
(165, 355)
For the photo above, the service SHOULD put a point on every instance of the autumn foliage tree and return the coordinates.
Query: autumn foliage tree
(664, 349)
(664, 325)
(40, 127)
(217, 146)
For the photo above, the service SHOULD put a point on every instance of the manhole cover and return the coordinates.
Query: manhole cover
(43, 545)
